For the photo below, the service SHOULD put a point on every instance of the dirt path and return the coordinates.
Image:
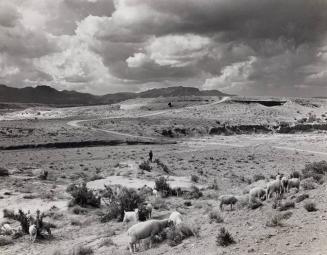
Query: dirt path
(78, 123)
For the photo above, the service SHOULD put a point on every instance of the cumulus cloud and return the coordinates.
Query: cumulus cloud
(241, 46)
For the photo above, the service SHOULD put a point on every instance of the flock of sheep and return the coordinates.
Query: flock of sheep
(149, 228)
(279, 186)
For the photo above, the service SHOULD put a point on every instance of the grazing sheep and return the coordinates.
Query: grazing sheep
(284, 183)
(274, 186)
(293, 183)
(143, 230)
(176, 218)
(255, 193)
(155, 192)
(32, 232)
(149, 210)
(131, 216)
(227, 200)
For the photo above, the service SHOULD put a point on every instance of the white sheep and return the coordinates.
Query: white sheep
(143, 230)
(32, 232)
(274, 186)
(284, 183)
(175, 218)
(227, 200)
(131, 216)
(155, 192)
(149, 209)
(257, 192)
(293, 183)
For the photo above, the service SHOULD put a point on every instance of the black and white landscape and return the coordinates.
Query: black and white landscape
(163, 127)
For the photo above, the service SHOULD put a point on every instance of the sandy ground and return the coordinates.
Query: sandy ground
(231, 160)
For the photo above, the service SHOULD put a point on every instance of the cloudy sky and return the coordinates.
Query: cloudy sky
(247, 47)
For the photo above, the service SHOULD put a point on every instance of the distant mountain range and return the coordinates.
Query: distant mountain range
(47, 95)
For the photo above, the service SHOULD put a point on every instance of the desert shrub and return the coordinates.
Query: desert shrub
(188, 203)
(194, 178)
(95, 177)
(125, 200)
(4, 240)
(4, 172)
(176, 234)
(214, 185)
(214, 216)
(194, 193)
(301, 197)
(308, 184)
(159, 204)
(76, 222)
(277, 219)
(145, 165)
(84, 197)
(258, 177)
(78, 210)
(162, 185)
(224, 238)
(254, 204)
(310, 206)
(162, 165)
(316, 170)
(106, 242)
(82, 250)
(295, 174)
(286, 205)
(43, 175)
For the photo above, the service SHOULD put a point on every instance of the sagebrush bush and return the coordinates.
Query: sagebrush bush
(224, 238)
(194, 178)
(194, 193)
(316, 170)
(258, 177)
(214, 216)
(295, 174)
(310, 206)
(308, 184)
(276, 220)
(285, 205)
(159, 204)
(4, 240)
(162, 165)
(145, 165)
(301, 197)
(162, 185)
(4, 172)
(125, 200)
(84, 197)
(82, 250)
(78, 210)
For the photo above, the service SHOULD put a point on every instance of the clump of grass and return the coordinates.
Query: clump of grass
(78, 210)
(277, 219)
(310, 206)
(214, 216)
(224, 238)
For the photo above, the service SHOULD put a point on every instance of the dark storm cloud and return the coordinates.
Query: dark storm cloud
(239, 46)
